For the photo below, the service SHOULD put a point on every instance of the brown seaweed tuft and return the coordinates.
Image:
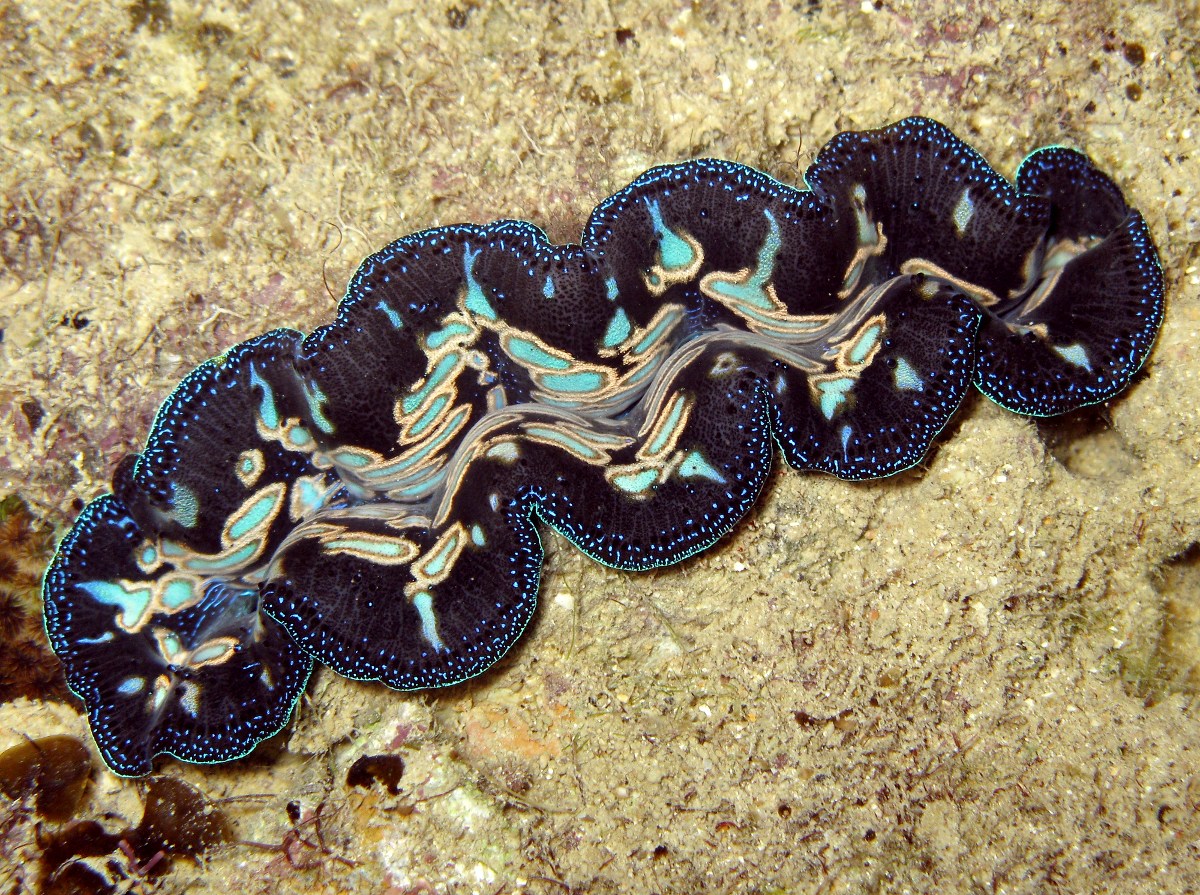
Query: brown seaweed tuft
(27, 666)
(52, 773)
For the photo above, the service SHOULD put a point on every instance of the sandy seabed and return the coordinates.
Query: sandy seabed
(978, 676)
